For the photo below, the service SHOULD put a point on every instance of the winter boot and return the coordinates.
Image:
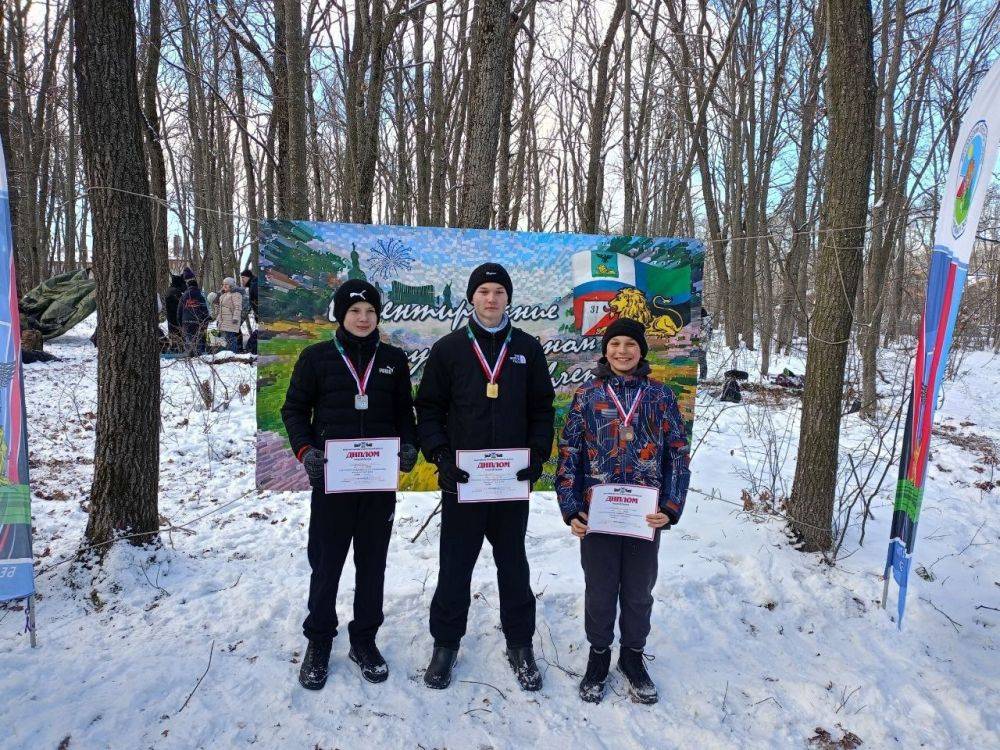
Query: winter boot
(592, 684)
(522, 661)
(312, 674)
(438, 674)
(367, 656)
(633, 668)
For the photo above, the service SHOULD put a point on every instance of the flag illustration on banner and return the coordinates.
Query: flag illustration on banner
(16, 565)
(969, 176)
(600, 276)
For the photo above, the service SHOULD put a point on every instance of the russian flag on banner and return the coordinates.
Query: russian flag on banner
(598, 276)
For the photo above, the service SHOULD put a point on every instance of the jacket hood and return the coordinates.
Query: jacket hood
(176, 281)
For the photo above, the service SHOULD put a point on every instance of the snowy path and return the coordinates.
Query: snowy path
(756, 645)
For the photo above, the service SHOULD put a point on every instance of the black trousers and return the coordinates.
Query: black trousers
(463, 528)
(335, 522)
(618, 570)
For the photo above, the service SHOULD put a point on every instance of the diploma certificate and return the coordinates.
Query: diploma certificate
(493, 475)
(622, 509)
(362, 465)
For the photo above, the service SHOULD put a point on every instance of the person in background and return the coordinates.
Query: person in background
(354, 386)
(171, 301)
(193, 317)
(249, 282)
(623, 427)
(229, 313)
(704, 337)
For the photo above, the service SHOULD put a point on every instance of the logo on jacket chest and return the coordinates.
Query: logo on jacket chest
(518, 359)
(387, 370)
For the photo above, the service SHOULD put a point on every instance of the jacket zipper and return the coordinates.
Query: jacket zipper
(493, 406)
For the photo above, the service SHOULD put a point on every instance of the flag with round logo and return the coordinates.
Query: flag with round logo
(969, 175)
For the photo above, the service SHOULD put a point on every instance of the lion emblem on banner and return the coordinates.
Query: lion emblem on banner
(631, 303)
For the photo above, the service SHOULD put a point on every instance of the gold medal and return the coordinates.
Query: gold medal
(492, 373)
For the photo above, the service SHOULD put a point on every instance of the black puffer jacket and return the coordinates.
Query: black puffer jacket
(453, 411)
(319, 404)
(171, 301)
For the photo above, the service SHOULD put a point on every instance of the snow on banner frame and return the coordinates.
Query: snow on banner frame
(562, 283)
(16, 562)
(969, 173)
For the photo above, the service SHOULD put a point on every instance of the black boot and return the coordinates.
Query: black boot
(633, 668)
(316, 662)
(367, 656)
(592, 684)
(522, 661)
(438, 674)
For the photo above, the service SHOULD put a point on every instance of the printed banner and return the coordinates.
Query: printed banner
(16, 564)
(567, 288)
(969, 177)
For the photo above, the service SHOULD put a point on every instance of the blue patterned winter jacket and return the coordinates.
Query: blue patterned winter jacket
(591, 450)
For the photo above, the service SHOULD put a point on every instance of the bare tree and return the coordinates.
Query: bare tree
(851, 102)
(298, 181)
(123, 496)
(599, 109)
(154, 149)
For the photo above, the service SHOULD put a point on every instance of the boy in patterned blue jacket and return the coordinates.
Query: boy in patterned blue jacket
(622, 428)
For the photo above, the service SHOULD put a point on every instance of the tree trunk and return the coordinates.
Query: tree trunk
(598, 116)
(154, 151)
(791, 302)
(895, 324)
(851, 101)
(298, 178)
(489, 66)
(248, 162)
(71, 147)
(420, 121)
(503, 150)
(439, 156)
(123, 496)
(279, 115)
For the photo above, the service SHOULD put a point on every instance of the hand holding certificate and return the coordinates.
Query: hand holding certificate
(622, 509)
(493, 475)
(362, 465)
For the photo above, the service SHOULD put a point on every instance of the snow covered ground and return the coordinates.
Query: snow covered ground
(756, 644)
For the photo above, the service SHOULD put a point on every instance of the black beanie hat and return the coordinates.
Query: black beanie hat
(486, 274)
(353, 291)
(626, 327)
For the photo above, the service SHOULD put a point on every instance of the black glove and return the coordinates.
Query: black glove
(671, 519)
(407, 458)
(315, 463)
(447, 470)
(532, 473)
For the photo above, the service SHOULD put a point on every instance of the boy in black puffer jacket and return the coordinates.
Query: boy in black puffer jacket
(460, 406)
(329, 397)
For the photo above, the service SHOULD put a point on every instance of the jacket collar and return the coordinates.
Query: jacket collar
(349, 341)
(487, 336)
(605, 373)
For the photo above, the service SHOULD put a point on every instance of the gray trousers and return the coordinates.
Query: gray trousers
(618, 570)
